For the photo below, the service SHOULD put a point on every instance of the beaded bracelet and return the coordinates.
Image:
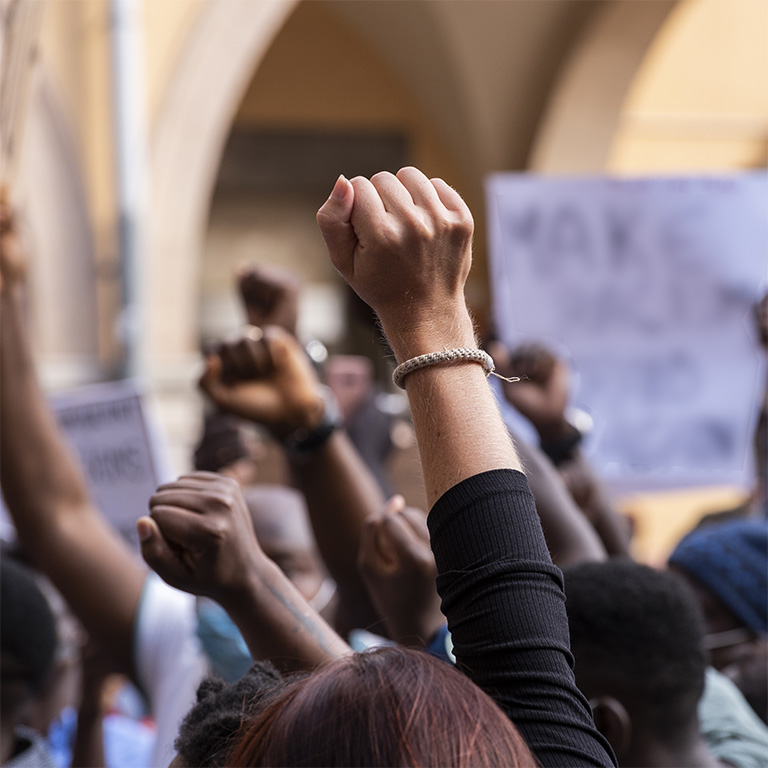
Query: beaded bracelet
(460, 354)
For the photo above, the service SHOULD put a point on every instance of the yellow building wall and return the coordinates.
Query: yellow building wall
(700, 100)
(166, 24)
(76, 58)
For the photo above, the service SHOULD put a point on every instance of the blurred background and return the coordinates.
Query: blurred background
(153, 146)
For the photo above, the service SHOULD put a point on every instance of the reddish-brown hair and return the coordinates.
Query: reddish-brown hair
(388, 707)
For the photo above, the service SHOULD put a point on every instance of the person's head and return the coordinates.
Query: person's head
(388, 707)
(350, 378)
(726, 567)
(28, 640)
(208, 730)
(637, 640)
(282, 526)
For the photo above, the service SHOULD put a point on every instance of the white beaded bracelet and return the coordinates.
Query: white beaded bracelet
(460, 354)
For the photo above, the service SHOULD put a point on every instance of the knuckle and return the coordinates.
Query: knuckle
(381, 175)
(216, 528)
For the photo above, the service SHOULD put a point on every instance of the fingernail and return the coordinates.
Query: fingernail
(144, 529)
(339, 191)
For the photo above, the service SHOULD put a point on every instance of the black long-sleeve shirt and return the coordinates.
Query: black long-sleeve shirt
(505, 604)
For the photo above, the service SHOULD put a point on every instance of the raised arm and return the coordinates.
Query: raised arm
(404, 244)
(570, 537)
(44, 487)
(542, 397)
(271, 382)
(200, 538)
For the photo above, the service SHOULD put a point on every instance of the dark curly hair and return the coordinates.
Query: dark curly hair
(207, 732)
(637, 634)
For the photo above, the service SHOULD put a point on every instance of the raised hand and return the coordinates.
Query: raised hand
(542, 393)
(270, 296)
(403, 242)
(199, 536)
(267, 379)
(399, 570)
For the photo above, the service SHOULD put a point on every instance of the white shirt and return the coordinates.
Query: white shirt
(168, 659)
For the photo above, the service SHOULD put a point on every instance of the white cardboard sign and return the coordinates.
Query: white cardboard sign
(647, 286)
(107, 426)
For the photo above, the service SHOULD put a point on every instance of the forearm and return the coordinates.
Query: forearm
(458, 428)
(570, 537)
(30, 438)
(47, 498)
(278, 625)
(613, 528)
(592, 497)
(341, 493)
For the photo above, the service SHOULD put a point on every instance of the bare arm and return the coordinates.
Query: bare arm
(570, 537)
(200, 538)
(45, 491)
(404, 244)
(542, 397)
(341, 493)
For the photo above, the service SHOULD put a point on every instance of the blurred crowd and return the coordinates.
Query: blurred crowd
(310, 616)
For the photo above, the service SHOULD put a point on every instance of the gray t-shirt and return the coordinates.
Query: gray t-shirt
(733, 732)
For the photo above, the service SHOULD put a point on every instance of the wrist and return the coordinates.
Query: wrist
(444, 330)
(306, 440)
(560, 442)
(303, 411)
(554, 431)
(239, 597)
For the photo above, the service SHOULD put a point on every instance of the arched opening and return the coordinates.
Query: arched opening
(584, 110)
(699, 102)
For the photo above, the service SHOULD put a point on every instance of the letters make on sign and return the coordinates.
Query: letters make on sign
(647, 285)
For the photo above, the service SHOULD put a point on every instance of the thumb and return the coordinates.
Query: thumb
(335, 221)
(158, 554)
(212, 384)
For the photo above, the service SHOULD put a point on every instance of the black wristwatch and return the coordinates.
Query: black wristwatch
(579, 425)
(303, 442)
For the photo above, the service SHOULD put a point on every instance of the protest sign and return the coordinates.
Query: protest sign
(108, 427)
(106, 424)
(647, 286)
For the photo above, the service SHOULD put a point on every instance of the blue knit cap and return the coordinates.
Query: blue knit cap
(731, 560)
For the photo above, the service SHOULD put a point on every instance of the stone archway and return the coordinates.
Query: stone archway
(577, 131)
(216, 63)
